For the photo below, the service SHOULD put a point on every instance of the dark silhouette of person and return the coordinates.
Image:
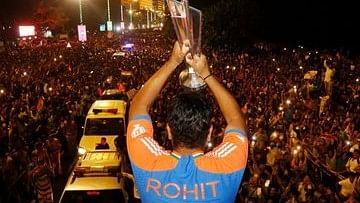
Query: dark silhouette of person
(103, 144)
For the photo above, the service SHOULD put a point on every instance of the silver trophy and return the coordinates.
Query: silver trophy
(187, 25)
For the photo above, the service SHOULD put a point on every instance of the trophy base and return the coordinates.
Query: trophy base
(189, 79)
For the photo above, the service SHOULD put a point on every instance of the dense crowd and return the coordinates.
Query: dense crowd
(302, 107)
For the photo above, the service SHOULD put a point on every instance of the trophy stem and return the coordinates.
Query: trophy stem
(190, 79)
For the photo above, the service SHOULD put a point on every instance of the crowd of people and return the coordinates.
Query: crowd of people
(302, 108)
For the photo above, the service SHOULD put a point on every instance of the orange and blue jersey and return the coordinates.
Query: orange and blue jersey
(163, 176)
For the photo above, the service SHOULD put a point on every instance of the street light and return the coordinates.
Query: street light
(131, 14)
(108, 10)
(109, 23)
(80, 12)
(147, 19)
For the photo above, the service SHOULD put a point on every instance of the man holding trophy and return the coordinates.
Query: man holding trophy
(186, 174)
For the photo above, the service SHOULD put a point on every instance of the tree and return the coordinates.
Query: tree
(50, 15)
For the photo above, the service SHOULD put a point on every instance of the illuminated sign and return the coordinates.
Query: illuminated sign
(102, 28)
(109, 25)
(25, 31)
(82, 33)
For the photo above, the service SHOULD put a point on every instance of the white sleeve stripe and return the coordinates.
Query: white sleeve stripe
(226, 149)
(229, 151)
(224, 145)
(242, 138)
(156, 145)
(148, 146)
(220, 147)
(157, 149)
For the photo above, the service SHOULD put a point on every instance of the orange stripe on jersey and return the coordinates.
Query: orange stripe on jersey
(143, 150)
(230, 156)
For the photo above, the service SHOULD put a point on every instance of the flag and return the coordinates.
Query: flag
(40, 104)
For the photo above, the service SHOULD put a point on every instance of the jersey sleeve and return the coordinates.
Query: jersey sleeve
(230, 156)
(143, 150)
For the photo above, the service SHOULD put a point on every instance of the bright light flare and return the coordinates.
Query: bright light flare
(348, 142)
(81, 151)
(50, 89)
(288, 101)
(25, 73)
(2, 91)
(281, 108)
(278, 69)
(131, 26)
(298, 147)
(295, 151)
(300, 67)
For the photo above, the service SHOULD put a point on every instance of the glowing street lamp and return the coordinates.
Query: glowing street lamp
(109, 23)
(81, 28)
(108, 10)
(147, 19)
(131, 14)
(80, 12)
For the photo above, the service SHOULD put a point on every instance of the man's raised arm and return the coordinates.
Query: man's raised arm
(147, 94)
(227, 103)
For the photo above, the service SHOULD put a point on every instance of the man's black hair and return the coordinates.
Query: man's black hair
(189, 118)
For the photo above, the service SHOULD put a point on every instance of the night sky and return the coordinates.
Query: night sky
(296, 19)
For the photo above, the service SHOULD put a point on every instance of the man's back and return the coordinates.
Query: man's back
(163, 176)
